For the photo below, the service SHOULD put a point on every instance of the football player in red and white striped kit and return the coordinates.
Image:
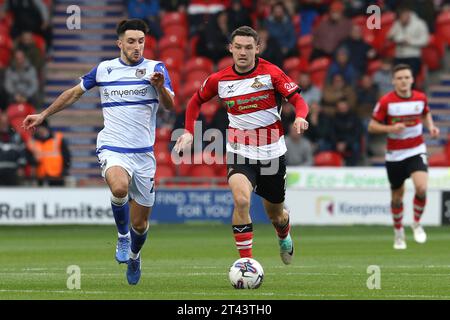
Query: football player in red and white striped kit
(252, 90)
(400, 114)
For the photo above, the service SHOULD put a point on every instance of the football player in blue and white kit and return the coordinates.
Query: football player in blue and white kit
(131, 89)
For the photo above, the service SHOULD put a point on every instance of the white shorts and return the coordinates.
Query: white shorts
(141, 168)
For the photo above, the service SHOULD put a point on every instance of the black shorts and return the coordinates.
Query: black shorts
(268, 177)
(399, 171)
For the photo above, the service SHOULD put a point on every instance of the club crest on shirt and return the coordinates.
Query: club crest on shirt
(140, 73)
(257, 84)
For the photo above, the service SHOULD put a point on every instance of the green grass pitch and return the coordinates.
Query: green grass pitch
(191, 262)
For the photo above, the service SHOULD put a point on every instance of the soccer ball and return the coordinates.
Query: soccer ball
(246, 273)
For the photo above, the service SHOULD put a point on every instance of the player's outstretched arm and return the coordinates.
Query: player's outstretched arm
(65, 99)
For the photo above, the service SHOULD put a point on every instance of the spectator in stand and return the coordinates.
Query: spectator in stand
(359, 51)
(299, 149)
(342, 65)
(220, 122)
(29, 15)
(27, 44)
(310, 92)
(269, 48)
(17, 112)
(319, 132)
(425, 9)
(238, 15)
(21, 77)
(279, 25)
(13, 154)
(174, 5)
(358, 7)
(213, 42)
(52, 155)
(200, 12)
(347, 133)
(147, 10)
(336, 91)
(382, 78)
(367, 97)
(330, 32)
(410, 34)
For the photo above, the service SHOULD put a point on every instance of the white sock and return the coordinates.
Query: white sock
(133, 255)
(124, 235)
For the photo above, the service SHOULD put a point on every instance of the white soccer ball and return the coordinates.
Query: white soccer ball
(246, 273)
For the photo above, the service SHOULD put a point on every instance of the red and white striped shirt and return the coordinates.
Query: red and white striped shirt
(253, 101)
(393, 109)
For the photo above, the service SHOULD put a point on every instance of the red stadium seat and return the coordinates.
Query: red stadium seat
(304, 46)
(163, 134)
(290, 64)
(175, 79)
(202, 170)
(328, 159)
(164, 171)
(177, 54)
(209, 109)
(149, 53)
(163, 158)
(439, 159)
(173, 18)
(199, 63)
(432, 54)
(176, 30)
(5, 50)
(443, 26)
(172, 64)
(194, 75)
(318, 70)
(225, 62)
(150, 42)
(172, 41)
(188, 89)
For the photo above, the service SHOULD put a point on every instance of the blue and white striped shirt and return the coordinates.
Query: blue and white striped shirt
(129, 103)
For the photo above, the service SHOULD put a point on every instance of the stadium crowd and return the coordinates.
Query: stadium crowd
(342, 66)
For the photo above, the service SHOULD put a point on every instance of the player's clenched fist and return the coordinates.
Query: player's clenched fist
(157, 79)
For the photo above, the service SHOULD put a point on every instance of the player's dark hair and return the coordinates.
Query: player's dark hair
(131, 24)
(401, 66)
(245, 31)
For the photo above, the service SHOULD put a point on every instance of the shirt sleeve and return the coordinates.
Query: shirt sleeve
(160, 67)
(380, 112)
(89, 80)
(284, 84)
(208, 89)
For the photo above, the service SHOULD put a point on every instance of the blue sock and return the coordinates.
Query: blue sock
(137, 241)
(122, 217)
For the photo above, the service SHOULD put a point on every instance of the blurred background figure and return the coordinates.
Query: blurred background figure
(279, 25)
(347, 133)
(214, 40)
(147, 10)
(382, 78)
(320, 125)
(269, 48)
(21, 77)
(52, 156)
(410, 34)
(310, 92)
(342, 65)
(330, 32)
(299, 149)
(13, 155)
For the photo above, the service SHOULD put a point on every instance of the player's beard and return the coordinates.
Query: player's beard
(131, 58)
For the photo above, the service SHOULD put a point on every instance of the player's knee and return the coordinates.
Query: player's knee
(242, 202)
(421, 191)
(139, 226)
(119, 191)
